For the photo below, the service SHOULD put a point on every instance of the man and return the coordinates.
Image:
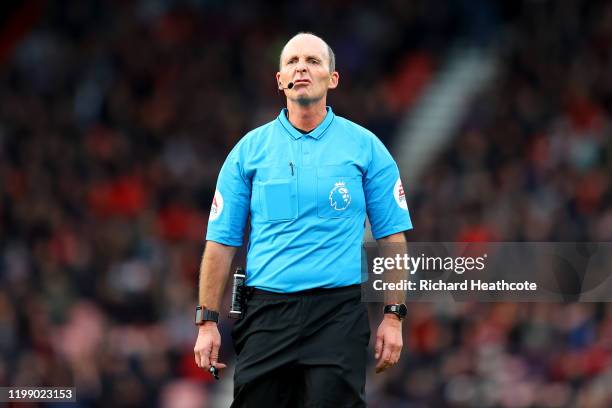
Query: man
(307, 180)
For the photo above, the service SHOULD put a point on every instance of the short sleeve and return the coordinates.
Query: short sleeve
(231, 203)
(385, 199)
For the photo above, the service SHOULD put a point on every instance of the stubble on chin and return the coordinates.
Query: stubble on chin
(306, 101)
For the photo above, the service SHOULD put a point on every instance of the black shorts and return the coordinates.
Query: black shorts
(304, 349)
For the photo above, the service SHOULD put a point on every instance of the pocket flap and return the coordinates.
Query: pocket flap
(339, 170)
(274, 172)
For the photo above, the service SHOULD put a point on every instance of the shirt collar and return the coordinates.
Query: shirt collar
(316, 132)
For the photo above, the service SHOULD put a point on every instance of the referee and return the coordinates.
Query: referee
(306, 181)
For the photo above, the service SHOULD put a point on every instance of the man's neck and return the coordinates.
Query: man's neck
(306, 117)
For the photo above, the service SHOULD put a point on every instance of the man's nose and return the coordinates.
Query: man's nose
(300, 67)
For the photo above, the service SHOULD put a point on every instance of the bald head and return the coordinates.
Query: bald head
(301, 38)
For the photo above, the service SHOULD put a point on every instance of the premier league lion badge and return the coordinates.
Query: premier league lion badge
(339, 197)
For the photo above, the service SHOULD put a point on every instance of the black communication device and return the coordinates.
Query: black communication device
(238, 294)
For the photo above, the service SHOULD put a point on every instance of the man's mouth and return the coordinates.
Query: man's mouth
(301, 82)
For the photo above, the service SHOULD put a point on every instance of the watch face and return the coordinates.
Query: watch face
(403, 310)
(400, 310)
(198, 316)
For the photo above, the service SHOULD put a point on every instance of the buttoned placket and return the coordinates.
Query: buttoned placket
(306, 145)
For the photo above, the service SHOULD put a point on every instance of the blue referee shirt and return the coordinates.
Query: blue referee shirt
(307, 196)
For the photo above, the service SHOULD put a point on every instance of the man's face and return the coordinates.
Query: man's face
(305, 62)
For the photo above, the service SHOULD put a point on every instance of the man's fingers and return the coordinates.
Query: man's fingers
(381, 366)
(197, 355)
(204, 357)
(390, 356)
(385, 359)
(378, 347)
(205, 360)
(214, 353)
(203, 363)
(207, 346)
(396, 357)
(397, 351)
(386, 355)
(388, 345)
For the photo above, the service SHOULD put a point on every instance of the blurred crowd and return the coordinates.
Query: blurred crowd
(115, 118)
(531, 162)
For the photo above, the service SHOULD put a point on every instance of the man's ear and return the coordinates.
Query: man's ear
(334, 78)
(278, 82)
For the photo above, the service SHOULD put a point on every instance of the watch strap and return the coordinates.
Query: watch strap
(205, 315)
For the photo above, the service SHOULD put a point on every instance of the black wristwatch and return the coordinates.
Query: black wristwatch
(204, 315)
(399, 309)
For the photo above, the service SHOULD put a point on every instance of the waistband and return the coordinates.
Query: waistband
(265, 294)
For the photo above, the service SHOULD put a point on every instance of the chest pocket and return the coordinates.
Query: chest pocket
(339, 192)
(277, 193)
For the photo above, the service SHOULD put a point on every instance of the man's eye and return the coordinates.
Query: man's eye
(314, 61)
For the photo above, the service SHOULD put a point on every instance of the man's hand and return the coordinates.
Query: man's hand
(206, 350)
(388, 342)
